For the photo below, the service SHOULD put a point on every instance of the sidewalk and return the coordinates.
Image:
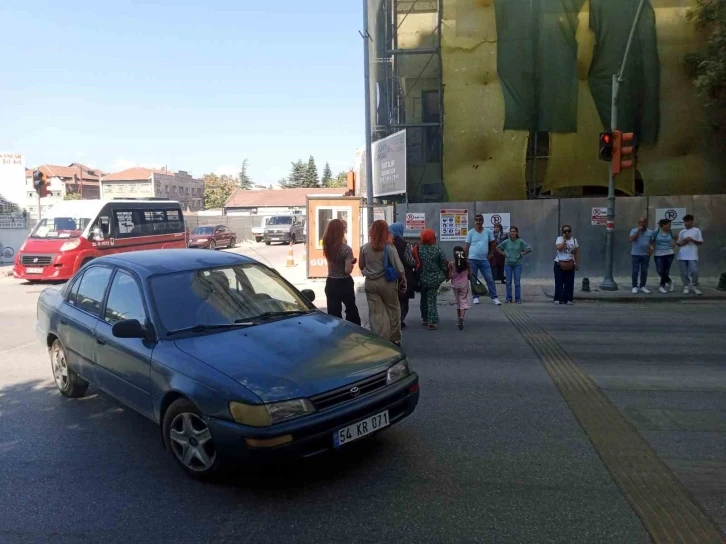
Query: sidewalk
(624, 293)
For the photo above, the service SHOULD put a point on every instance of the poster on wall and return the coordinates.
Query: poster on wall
(415, 221)
(389, 165)
(491, 219)
(599, 216)
(454, 225)
(674, 215)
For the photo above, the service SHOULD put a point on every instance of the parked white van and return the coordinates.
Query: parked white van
(259, 231)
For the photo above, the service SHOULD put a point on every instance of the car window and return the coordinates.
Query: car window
(73, 290)
(124, 300)
(92, 288)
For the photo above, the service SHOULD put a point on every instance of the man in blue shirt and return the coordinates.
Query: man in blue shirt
(640, 240)
(478, 249)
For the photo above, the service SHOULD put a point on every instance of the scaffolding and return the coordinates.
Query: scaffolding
(408, 90)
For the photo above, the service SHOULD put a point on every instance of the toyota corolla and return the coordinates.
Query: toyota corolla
(229, 359)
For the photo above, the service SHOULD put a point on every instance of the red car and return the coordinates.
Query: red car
(212, 237)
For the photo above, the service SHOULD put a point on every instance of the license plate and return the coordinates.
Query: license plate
(34, 270)
(360, 429)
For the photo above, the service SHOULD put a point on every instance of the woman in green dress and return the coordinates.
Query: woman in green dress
(433, 272)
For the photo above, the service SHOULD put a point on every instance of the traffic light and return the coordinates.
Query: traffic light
(622, 156)
(606, 146)
(40, 183)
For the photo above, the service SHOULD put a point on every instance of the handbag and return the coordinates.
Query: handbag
(567, 266)
(389, 271)
(478, 289)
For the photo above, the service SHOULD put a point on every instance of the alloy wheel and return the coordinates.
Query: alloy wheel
(60, 368)
(192, 443)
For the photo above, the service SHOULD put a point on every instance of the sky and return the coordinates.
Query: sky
(191, 85)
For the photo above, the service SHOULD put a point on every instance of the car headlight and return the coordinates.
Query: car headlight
(398, 371)
(71, 245)
(264, 415)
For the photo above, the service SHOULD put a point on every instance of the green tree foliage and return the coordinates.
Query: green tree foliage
(708, 66)
(341, 180)
(327, 177)
(311, 174)
(73, 196)
(217, 189)
(296, 178)
(243, 179)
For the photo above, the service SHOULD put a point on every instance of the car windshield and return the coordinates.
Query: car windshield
(225, 295)
(280, 221)
(203, 230)
(60, 227)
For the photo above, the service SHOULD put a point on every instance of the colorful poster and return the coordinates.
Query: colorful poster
(454, 225)
(415, 221)
(599, 216)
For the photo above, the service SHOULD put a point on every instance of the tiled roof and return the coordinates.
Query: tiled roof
(137, 173)
(276, 198)
(63, 172)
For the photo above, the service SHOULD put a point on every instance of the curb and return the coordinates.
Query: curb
(640, 298)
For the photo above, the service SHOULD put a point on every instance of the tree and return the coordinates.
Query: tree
(244, 180)
(311, 174)
(341, 180)
(708, 66)
(296, 178)
(217, 189)
(73, 196)
(327, 176)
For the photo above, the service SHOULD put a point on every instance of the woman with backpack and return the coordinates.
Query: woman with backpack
(405, 253)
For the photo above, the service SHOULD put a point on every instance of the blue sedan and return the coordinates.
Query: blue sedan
(225, 355)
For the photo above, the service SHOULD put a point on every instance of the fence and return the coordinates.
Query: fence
(13, 232)
(539, 224)
(241, 225)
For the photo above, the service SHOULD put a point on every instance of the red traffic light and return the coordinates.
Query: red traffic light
(605, 152)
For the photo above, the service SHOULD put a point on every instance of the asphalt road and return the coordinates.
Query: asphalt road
(493, 454)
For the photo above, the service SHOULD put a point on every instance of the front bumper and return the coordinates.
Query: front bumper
(62, 268)
(281, 237)
(313, 435)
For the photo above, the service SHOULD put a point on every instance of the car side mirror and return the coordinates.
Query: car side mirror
(129, 328)
(308, 294)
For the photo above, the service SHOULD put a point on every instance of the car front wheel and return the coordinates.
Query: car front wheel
(68, 382)
(212, 245)
(189, 440)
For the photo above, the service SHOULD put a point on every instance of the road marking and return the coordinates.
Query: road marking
(666, 508)
(18, 347)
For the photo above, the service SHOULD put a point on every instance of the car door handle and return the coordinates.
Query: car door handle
(99, 341)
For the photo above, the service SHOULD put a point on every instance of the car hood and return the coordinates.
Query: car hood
(293, 358)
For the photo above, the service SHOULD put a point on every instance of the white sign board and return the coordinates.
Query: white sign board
(491, 219)
(599, 216)
(12, 178)
(389, 165)
(454, 225)
(415, 221)
(674, 215)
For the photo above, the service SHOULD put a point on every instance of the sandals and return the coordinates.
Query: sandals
(432, 327)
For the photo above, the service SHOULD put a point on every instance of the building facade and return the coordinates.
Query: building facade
(505, 99)
(73, 181)
(140, 182)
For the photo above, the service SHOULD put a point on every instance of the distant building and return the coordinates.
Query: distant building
(273, 201)
(75, 179)
(140, 182)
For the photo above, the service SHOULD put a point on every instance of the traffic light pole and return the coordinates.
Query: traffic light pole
(608, 282)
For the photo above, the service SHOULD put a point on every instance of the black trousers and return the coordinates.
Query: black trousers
(564, 284)
(340, 291)
(404, 300)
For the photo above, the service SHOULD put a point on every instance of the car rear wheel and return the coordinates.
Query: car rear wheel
(189, 440)
(212, 245)
(67, 381)
(267, 242)
(233, 242)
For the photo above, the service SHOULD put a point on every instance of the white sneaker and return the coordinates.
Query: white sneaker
(635, 290)
(476, 300)
(685, 290)
(570, 303)
(671, 287)
(557, 302)
(662, 290)
(697, 291)
(644, 291)
(496, 302)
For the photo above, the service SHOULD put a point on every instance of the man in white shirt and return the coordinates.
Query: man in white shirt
(688, 240)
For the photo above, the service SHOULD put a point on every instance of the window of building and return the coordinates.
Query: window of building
(108, 188)
(132, 188)
(121, 188)
(325, 214)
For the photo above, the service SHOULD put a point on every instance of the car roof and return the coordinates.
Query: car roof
(152, 262)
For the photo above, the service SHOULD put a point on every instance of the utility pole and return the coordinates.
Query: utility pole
(608, 282)
(367, 82)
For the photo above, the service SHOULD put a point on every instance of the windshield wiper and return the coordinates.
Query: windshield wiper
(269, 315)
(239, 324)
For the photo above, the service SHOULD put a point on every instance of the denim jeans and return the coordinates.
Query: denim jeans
(485, 268)
(514, 273)
(564, 284)
(663, 266)
(640, 268)
(689, 272)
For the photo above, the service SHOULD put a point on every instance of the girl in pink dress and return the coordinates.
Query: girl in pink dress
(460, 275)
